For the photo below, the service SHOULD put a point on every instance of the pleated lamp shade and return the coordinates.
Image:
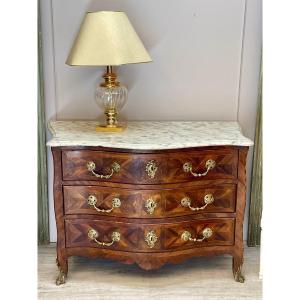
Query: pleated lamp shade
(107, 38)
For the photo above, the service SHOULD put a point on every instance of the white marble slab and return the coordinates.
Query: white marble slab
(149, 135)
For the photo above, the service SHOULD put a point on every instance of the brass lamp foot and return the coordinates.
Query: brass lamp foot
(112, 124)
(107, 128)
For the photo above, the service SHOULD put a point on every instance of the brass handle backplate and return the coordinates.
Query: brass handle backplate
(92, 200)
(150, 205)
(208, 199)
(187, 236)
(151, 238)
(188, 168)
(151, 168)
(115, 168)
(93, 235)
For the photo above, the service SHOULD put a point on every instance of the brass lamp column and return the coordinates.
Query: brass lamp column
(106, 38)
(110, 83)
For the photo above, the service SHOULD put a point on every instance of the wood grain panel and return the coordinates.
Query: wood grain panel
(133, 202)
(61, 259)
(133, 166)
(223, 233)
(224, 200)
(133, 235)
(77, 234)
(74, 217)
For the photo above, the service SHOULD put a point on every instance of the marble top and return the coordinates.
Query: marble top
(150, 135)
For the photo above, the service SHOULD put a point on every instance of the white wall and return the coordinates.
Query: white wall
(206, 57)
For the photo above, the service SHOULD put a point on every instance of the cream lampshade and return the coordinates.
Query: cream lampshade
(107, 38)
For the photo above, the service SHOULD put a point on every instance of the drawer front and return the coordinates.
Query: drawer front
(208, 232)
(132, 236)
(148, 203)
(172, 167)
(149, 237)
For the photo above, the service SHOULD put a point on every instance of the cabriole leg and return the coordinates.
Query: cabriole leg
(237, 263)
(62, 265)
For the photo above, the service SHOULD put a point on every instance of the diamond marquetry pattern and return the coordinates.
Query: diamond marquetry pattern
(133, 202)
(133, 236)
(133, 167)
(76, 234)
(222, 234)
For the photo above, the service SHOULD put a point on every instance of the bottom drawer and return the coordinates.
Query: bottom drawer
(149, 237)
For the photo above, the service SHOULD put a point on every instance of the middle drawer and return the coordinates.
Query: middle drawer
(148, 203)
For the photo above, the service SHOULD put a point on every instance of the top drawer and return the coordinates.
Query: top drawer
(173, 167)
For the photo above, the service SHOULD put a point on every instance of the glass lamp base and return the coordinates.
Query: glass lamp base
(107, 128)
(111, 96)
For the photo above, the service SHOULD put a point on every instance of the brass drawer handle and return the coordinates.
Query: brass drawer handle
(115, 168)
(150, 205)
(208, 199)
(93, 235)
(92, 200)
(151, 238)
(151, 168)
(207, 233)
(210, 164)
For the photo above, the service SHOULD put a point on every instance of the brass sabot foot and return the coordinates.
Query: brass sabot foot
(61, 278)
(238, 277)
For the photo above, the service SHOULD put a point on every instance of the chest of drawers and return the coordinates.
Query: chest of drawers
(161, 192)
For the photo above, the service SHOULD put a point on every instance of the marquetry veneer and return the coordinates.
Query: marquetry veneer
(149, 207)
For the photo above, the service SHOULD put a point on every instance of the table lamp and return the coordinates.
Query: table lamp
(107, 38)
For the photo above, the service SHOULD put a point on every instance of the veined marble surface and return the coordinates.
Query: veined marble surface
(150, 135)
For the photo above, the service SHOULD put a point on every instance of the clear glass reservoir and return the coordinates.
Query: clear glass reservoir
(111, 98)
